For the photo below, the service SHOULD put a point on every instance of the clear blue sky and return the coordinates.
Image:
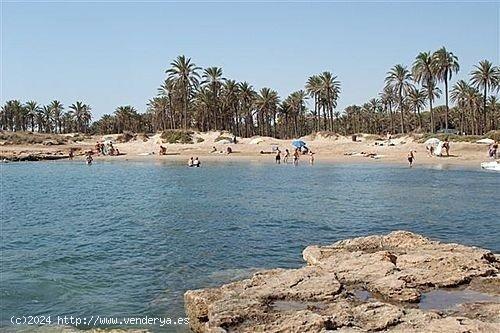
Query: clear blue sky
(115, 53)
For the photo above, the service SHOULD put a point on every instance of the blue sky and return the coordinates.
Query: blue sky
(115, 53)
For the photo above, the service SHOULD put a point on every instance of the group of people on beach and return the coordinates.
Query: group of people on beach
(296, 156)
(106, 149)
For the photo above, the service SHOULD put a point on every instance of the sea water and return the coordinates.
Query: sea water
(129, 238)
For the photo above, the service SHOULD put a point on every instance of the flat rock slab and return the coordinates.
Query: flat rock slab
(394, 270)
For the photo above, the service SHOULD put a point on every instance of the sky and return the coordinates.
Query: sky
(108, 54)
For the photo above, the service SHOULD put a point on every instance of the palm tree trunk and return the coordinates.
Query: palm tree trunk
(447, 109)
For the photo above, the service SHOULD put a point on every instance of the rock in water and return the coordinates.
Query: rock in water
(394, 269)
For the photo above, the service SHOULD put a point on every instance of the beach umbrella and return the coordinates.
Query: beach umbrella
(298, 143)
(432, 141)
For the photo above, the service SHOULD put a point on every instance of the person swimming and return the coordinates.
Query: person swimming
(190, 162)
(196, 162)
(89, 158)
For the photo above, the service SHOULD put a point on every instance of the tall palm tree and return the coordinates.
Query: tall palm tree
(399, 78)
(444, 65)
(212, 76)
(47, 118)
(422, 72)
(185, 76)
(485, 76)
(329, 93)
(230, 91)
(313, 88)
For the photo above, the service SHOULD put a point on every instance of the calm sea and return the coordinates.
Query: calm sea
(129, 238)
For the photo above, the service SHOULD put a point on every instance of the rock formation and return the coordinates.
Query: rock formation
(364, 284)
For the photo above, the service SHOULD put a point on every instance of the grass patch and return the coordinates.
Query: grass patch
(175, 136)
(20, 138)
(223, 137)
(450, 137)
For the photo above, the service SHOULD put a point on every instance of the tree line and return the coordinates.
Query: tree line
(203, 99)
(51, 118)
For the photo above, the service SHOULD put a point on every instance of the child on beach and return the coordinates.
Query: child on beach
(411, 157)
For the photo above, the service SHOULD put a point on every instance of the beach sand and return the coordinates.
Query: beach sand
(330, 149)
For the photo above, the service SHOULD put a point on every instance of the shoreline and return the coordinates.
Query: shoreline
(328, 150)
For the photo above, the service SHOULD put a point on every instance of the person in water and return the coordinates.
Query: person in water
(296, 156)
(196, 162)
(278, 156)
(89, 158)
(411, 157)
(71, 153)
(287, 155)
(311, 157)
(190, 162)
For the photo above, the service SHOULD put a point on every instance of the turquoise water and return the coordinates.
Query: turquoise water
(128, 238)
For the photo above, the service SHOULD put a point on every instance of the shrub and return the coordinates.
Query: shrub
(175, 136)
(494, 135)
(126, 136)
(198, 140)
(222, 137)
(19, 138)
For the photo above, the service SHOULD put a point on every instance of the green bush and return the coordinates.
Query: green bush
(175, 136)
(126, 136)
(199, 140)
(19, 138)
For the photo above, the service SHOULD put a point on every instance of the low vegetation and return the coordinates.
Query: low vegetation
(177, 136)
(20, 138)
(223, 137)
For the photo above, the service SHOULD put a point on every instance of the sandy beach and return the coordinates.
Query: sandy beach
(327, 149)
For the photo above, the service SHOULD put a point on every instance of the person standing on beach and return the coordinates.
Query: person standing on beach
(411, 157)
(493, 150)
(278, 157)
(446, 146)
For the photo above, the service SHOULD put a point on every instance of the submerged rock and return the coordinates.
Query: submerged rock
(394, 270)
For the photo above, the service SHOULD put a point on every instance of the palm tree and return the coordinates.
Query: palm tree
(230, 91)
(387, 97)
(57, 112)
(82, 115)
(399, 79)
(185, 76)
(422, 71)
(213, 77)
(494, 106)
(416, 99)
(485, 76)
(313, 88)
(266, 102)
(47, 118)
(32, 108)
(247, 97)
(329, 93)
(444, 65)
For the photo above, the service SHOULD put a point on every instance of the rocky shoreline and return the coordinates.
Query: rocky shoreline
(366, 284)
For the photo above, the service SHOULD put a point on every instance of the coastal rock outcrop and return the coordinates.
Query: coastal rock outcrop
(364, 284)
